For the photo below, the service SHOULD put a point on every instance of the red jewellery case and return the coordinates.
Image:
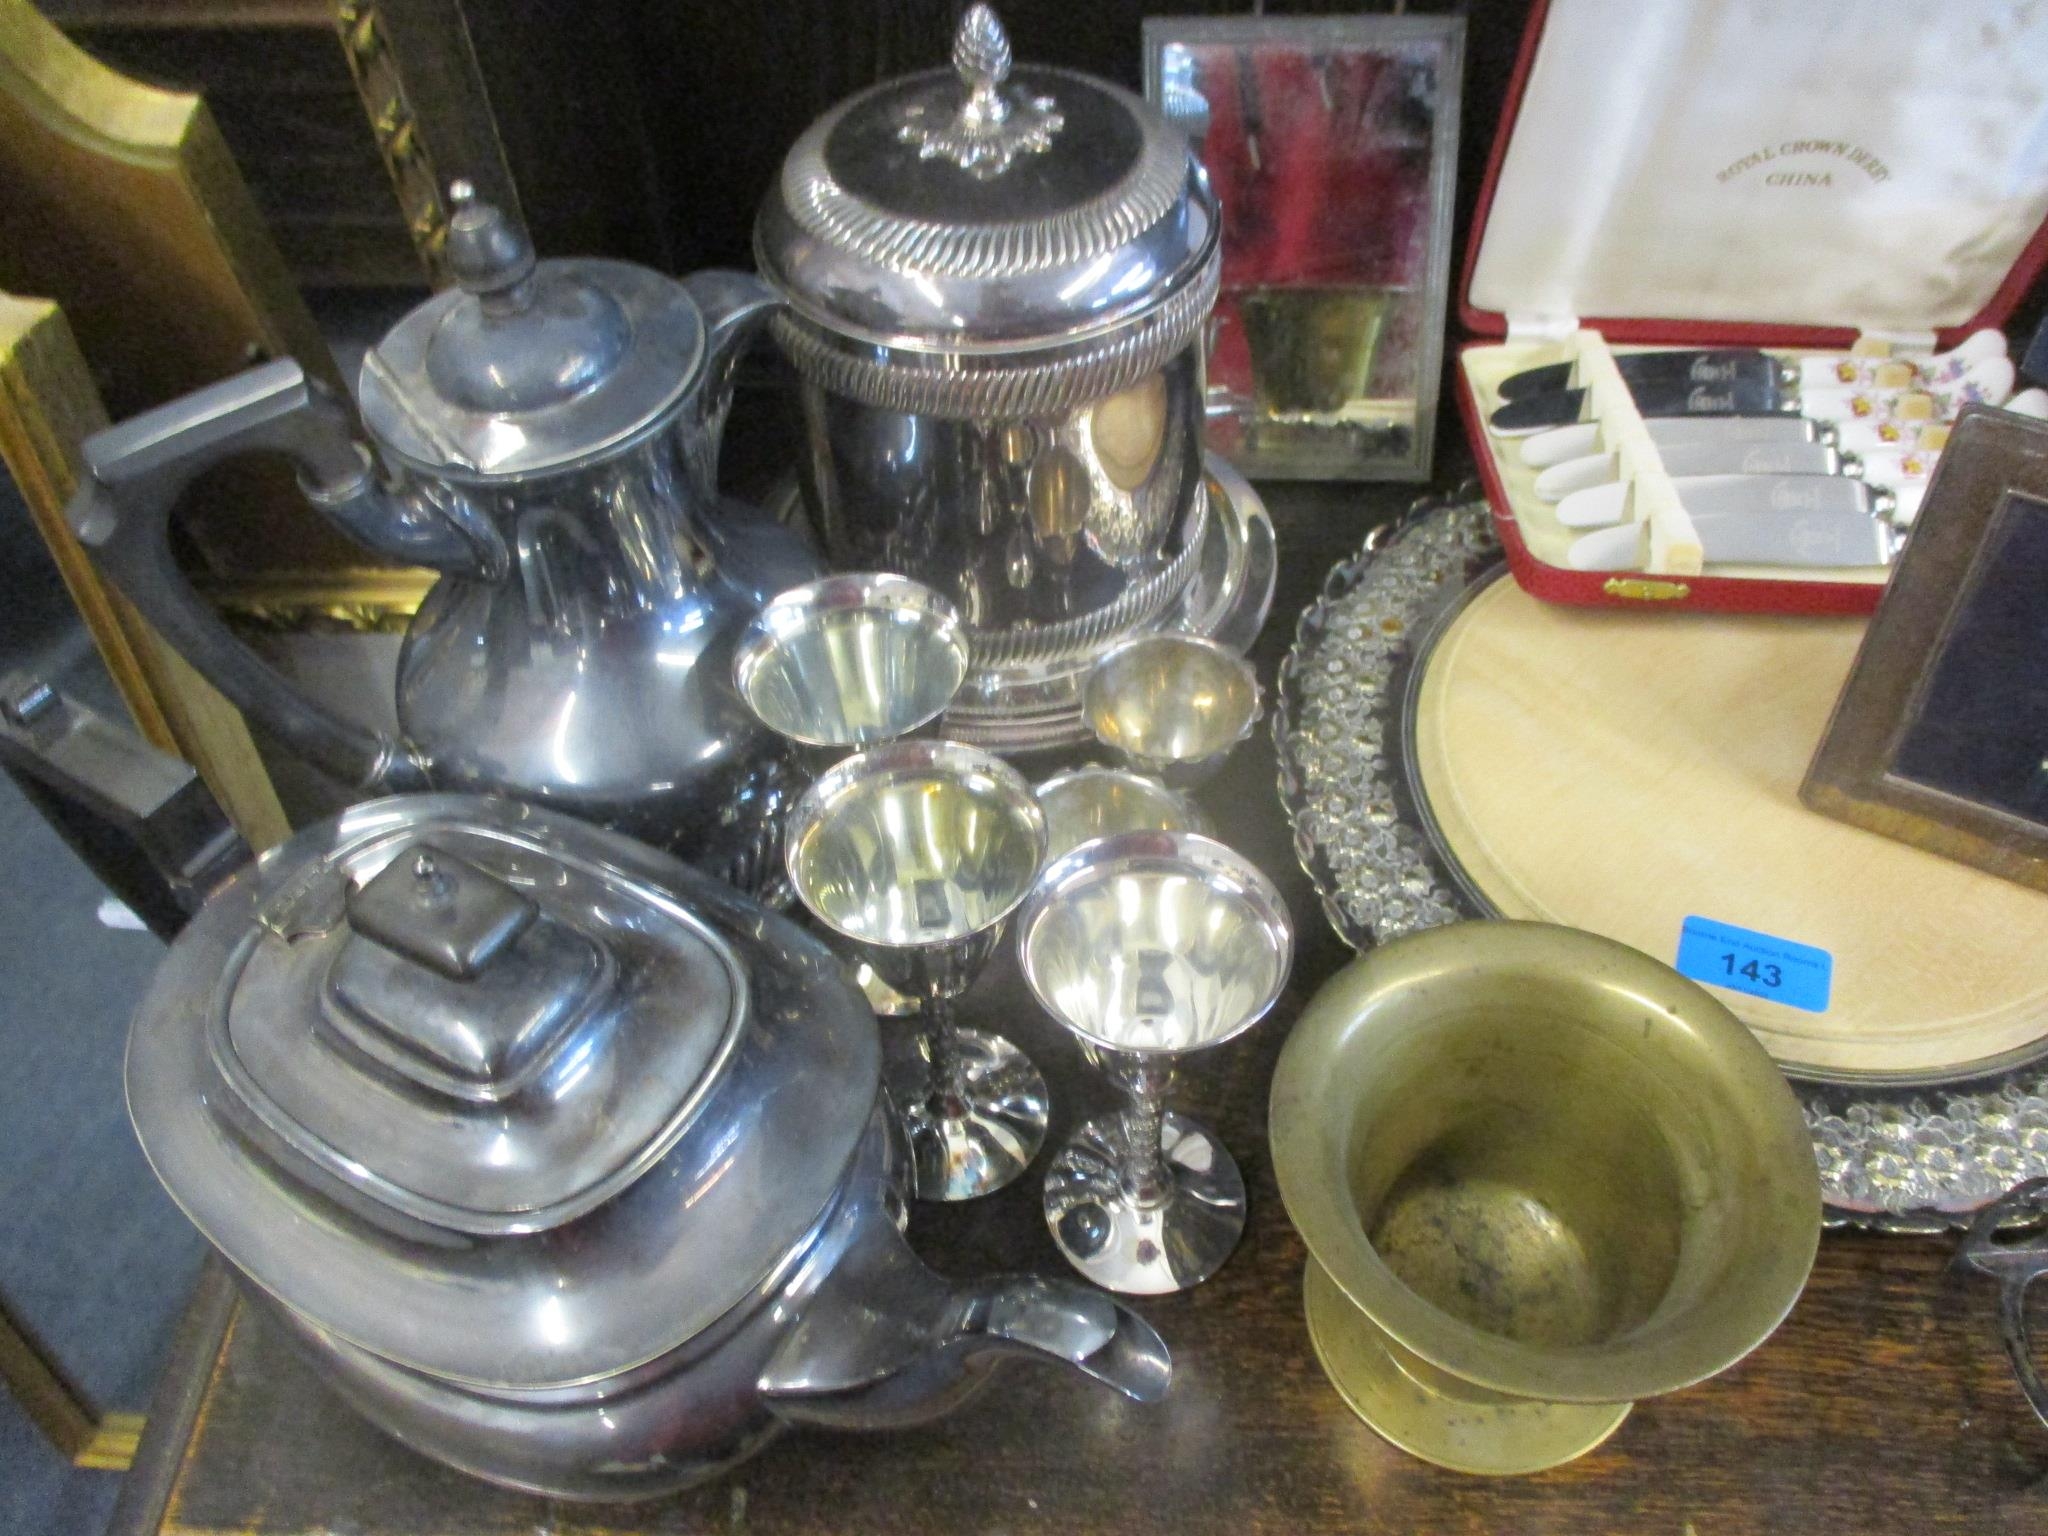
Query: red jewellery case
(1826, 177)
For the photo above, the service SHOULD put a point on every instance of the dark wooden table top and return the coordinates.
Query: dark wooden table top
(1884, 1403)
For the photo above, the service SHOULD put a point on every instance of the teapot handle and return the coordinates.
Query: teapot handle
(135, 474)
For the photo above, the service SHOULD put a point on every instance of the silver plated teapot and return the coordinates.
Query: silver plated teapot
(565, 1164)
(546, 437)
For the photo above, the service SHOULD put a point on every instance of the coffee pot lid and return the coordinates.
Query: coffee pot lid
(528, 366)
(987, 206)
(495, 1094)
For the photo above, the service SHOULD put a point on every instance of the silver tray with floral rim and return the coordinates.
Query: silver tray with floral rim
(1902, 1157)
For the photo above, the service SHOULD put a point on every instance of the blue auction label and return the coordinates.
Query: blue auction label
(1760, 964)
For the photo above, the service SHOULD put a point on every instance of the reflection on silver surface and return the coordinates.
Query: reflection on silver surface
(1027, 708)
(1233, 607)
(1083, 804)
(507, 1100)
(704, 1086)
(851, 660)
(956, 1155)
(1172, 704)
(701, 1187)
(916, 853)
(1148, 945)
(597, 676)
(1091, 506)
(941, 285)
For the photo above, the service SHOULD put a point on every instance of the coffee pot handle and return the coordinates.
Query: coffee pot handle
(2015, 1261)
(135, 474)
(736, 307)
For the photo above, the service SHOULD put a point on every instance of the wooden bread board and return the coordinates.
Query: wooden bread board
(1621, 771)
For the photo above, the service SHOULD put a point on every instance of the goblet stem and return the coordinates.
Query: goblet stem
(1146, 1176)
(948, 1080)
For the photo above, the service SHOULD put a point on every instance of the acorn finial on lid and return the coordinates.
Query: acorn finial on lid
(488, 250)
(981, 49)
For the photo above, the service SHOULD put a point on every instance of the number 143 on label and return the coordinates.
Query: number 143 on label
(1761, 964)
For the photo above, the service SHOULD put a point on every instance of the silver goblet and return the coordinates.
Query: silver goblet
(1083, 804)
(849, 661)
(1147, 946)
(1172, 705)
(916, 852)
(842, 663)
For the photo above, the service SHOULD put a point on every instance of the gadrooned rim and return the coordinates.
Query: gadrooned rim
(1006, 382)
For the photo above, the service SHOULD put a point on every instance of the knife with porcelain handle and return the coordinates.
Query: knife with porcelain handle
(1808, 541)
(1706, 365)
(1682, 366)
(1746, 395)
(1687, 459)
(1790, 520)
(1582, 438)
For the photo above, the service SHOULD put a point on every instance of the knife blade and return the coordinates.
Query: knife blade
(1792, 520)
(1811, 541)
(1560, 407)
(1717, 366)
(1686, 459)
(1581, 438)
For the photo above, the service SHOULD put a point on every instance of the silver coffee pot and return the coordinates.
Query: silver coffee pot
(546, 437)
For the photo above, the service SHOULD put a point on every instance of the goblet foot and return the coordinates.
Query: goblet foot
(1169, 1245)
(972, 1141)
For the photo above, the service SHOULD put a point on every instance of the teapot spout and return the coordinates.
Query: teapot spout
(1080, 1327)
(863, 1372)
(886, 1342)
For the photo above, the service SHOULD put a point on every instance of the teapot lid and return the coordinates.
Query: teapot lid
(495, 1094)
(986, 206)
(528, 366)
